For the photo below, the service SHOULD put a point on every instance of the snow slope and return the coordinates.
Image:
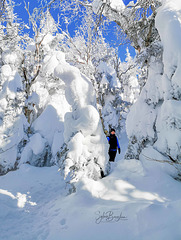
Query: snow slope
(139, 200)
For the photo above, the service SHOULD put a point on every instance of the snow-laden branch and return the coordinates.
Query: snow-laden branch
(162, 161)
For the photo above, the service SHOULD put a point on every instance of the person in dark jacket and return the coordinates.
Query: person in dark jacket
(113, 145)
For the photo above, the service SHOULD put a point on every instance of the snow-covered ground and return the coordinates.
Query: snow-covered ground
(138, 200)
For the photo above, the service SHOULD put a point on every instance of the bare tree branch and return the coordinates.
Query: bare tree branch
(2, 7)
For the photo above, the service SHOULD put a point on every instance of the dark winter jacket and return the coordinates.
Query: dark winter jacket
(113, 142)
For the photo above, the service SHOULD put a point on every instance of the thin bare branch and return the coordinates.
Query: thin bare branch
(2, 7)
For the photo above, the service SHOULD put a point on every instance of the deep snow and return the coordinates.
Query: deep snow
(138, 200)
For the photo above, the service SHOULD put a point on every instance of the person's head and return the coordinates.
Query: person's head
(112, 131)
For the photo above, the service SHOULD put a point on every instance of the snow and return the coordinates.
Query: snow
(131, 4)
(47, 39)
(9, 58)
(168, 20)
(31, 47)
(37, 144)
(65, 119)
(15, 84)
(155, 118)
(108, 72)
(136, 125)
(48, 123)
(117, 5)
(9, 140)
(169, 116)
(168, 125)
(140, 199)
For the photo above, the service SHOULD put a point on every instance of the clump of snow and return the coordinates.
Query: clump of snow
(9, 58)
(39, 95)
(36, 151)
(37, 143)
(47, 123)
(115, 4)
(168, 125)
(9, 140)
(135, 125)
(31, 47)
(5, 70)
(47, 39)
(49, 64)
(109, 75)
(131, 4)
(15, 84)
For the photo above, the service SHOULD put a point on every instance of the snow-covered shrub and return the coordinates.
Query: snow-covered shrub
(83, 134)
(66, 118)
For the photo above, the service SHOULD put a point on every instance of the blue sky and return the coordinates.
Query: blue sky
(22, 14)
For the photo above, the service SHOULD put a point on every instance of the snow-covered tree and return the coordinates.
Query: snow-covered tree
(11, 93)
(2, 7)
(89, 51)
(57, 108)
(153, 121)
(21, 62)
(137, 22)
(60, 108)
(128, 74)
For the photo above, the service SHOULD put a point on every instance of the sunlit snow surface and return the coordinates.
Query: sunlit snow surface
(138, 200)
